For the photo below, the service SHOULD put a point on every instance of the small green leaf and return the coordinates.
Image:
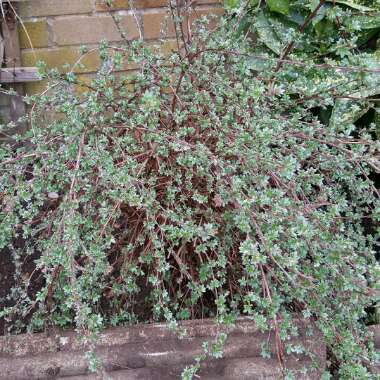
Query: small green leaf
(279, 6)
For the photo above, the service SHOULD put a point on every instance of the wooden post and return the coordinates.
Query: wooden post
(13, 60)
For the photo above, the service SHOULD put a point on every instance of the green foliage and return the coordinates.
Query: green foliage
(322, 34)
(204, 184)
(279, 6)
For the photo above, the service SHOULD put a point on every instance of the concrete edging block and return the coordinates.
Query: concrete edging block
(152, 351)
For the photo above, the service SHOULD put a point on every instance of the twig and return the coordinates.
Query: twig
(279, 345)
(77, 164)
(302, 28)
(10, 161)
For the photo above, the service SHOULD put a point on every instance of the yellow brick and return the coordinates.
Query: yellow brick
(87, 78)
(126, 4)
(211, 12)
(91, 29)
(199, 2)
(57, 57)
(167, 47)
(37, 8)
(154, 23)
(32, 88)
(36, 31)
(101, 6)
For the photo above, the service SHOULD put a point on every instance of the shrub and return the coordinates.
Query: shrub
(195, 186)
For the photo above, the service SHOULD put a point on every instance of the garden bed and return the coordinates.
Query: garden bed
(227, 178)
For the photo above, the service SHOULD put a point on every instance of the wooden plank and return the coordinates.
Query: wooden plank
(19, 75)
(2, 50)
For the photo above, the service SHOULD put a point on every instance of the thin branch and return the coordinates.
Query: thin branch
(302, 28)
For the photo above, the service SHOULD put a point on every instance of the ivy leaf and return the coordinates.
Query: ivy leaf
(365, 36)
(348, 111)
(296, 17)
(231, 4)
(324, 28)
(363, 22)
(244, 25)
(321, 14)
(279, 6)
(266, 33)
(282, 27)
(352, 5)
(377, 122)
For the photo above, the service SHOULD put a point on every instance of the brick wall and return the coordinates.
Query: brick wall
(56, 29)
